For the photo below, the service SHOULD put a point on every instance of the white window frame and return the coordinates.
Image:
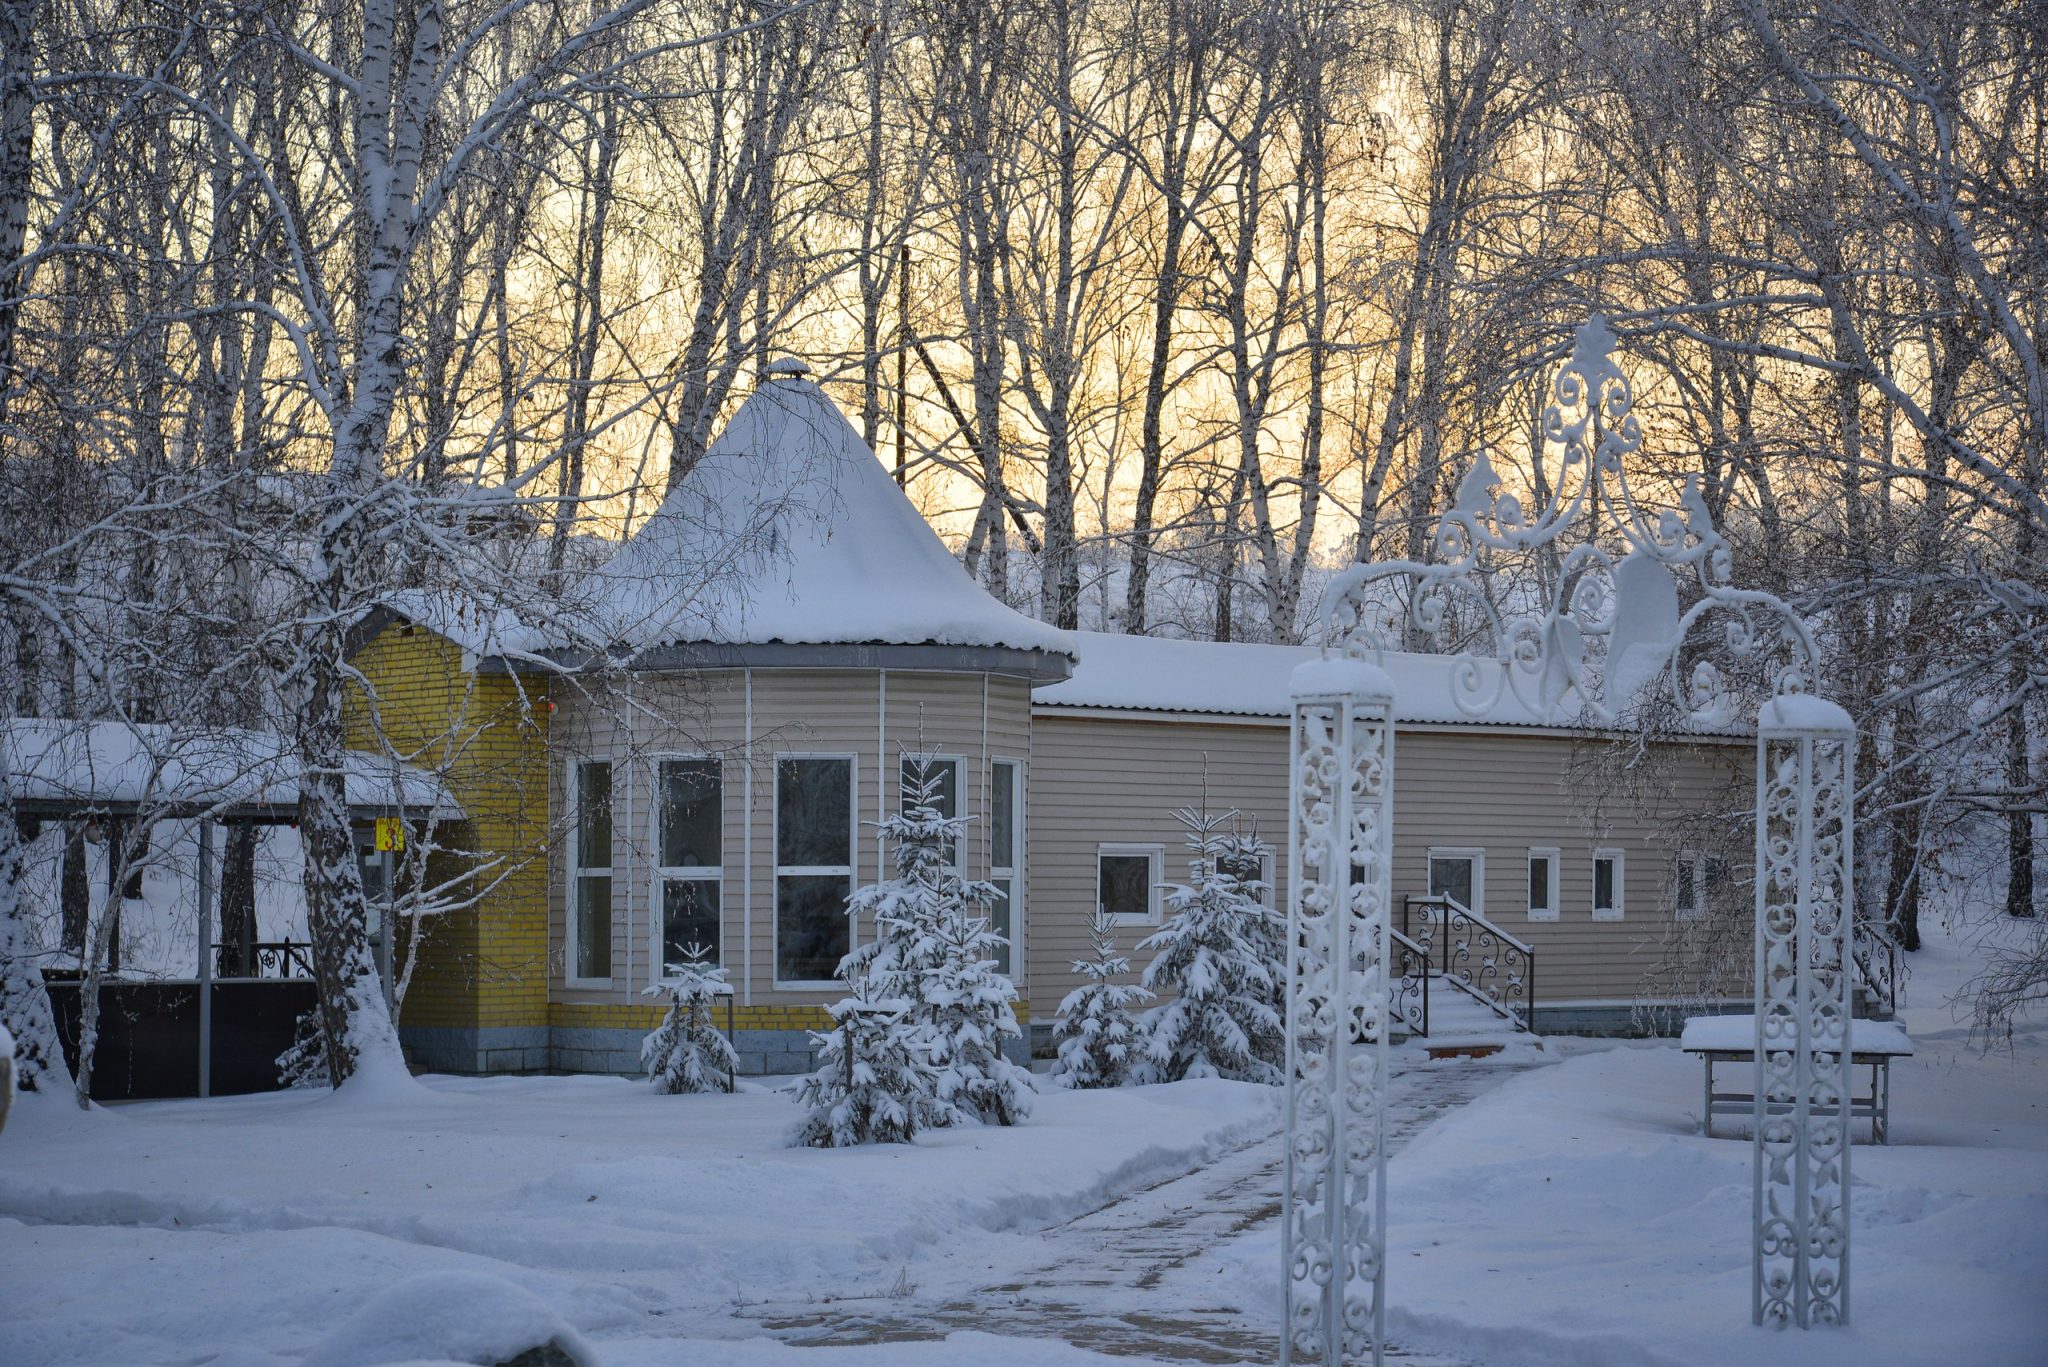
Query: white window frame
(781, 870)
(665, 873)
(1266, 874)
(1620, 908)
(1475, 853)
(1012, 872)
(1556, 857)
(572, 889)
(958, 763)
(1155, 901)
(1698, 909)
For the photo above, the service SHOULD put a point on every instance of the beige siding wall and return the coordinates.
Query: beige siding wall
(1118, 779)
(1111, 780)
(873, 716)
(1507, 794)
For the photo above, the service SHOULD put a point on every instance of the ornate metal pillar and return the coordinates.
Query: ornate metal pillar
(1804, 890)
(1340, 840)
(1603, 628)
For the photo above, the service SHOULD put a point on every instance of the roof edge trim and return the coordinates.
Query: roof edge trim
(1039, 666)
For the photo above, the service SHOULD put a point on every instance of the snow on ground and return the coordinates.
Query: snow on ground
(245, 1230)
(1572, 1214)
(1576, 1217)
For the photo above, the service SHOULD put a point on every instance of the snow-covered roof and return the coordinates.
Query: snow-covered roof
(478, 630)
(1153, 674)
(790, 532)
(120, 765)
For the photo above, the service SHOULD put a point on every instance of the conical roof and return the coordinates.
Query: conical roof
(789, 531)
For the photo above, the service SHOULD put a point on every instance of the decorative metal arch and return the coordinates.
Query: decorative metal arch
(1578, 607)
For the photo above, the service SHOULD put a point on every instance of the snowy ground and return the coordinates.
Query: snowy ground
(244, 1230)
(1575, 1217)
(1542, 1214)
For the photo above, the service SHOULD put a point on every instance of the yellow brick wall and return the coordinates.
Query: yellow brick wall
(486, 734)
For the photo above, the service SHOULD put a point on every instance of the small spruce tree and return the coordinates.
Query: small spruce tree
(304, 1064)
(686, 1053)
(932, 951)
(1098, 1038)
(965, 1006)
(1217, 955)
(871, 1085)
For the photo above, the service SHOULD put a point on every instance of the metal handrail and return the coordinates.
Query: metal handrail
(1444, 899)
(1870, 943)
(1456, 913)
(1418, 955)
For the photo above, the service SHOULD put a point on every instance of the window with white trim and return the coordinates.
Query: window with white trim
(1458, 872)
(690, 854)
(1127, 879)
(1543, 882)
(813, 866)
(1694, 878)
(1254, 873)
(943, 773)
(1608, 877)
(1006, 855)
(589, 947)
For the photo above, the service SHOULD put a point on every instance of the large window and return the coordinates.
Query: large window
(1607, 885)
(1006, 855)
(590, 874)
(1460, 874)
(942, 772)
(1127, 883)
(813, 865)
(690, 816)
(1543, 880)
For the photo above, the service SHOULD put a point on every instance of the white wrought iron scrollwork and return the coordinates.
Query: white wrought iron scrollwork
(1583, 604)
(1804, 854)
(1334, 1193)
(1577, 626)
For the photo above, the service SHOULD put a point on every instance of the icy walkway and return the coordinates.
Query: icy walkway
(1114, 1280)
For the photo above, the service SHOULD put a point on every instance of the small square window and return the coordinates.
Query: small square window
(1127, 883)
(1458, 873)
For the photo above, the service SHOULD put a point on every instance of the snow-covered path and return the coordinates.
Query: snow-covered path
(1113, 1280)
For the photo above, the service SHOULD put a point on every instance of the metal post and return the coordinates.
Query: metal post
(390, 928)
(1804, 1072)
(205, 958)
(1334, 1197)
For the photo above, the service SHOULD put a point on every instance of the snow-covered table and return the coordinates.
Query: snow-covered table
(1732, 1039)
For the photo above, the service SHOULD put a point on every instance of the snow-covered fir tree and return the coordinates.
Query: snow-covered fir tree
(965, 1007)
(1245, 857)
(872, 1085)
(6, 1074)
(933, 951)
(304, 1064)
(686, 1052)
(1217, 955)
(1097, 1034)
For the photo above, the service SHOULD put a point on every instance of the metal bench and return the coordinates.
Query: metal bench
(1732, 1039)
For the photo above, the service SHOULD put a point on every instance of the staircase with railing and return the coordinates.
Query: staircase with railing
(1478, 973)
(1879, 974)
